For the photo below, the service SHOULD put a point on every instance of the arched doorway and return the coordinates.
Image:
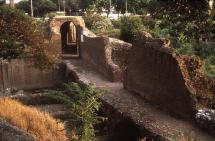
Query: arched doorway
(69, 40)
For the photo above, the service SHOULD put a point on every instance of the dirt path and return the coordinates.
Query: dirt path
(131, 105)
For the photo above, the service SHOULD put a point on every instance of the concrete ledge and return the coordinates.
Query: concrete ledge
(12, 133)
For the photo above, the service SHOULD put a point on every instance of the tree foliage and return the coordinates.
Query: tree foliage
(25, 6)
(21, 37)
(2, 2)
(130, 28)
(41, 7)
(96, 22)
(189, 17)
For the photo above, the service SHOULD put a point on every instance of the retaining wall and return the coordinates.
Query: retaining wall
(21, 74)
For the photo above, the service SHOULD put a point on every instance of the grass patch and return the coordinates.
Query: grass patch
(38, 124)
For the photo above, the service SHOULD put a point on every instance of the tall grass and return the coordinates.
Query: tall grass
(38, 124)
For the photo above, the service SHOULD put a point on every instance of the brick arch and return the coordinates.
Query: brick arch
(55, 25)
(69, 40)
(58, 21)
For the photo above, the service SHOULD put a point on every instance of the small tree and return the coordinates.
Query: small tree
(21, 37)
(83, 103)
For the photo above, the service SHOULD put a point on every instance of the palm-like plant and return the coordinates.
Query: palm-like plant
(83, 103)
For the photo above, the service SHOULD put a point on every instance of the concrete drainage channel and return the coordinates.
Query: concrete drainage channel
(126, 108)
(121, 128)
(117, 127)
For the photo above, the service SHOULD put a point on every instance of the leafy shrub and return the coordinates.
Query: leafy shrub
(209, 66)
(130, 28)
(10, 48)
(38, 124)
(205, 51)
(148, 22)
(160, 32)
(116, 23)
(185, 46)
(83, 104)
(97, 22)
(187, 49)
(21, 37)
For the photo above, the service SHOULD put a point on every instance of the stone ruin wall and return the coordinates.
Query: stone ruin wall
(105, 55)
(151, 69)
(102, 53)
(22, 74)
(158, 74)
(120, 50)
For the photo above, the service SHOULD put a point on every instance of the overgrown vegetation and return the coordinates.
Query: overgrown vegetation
(83, 103)
(41, 7)
(205, 51)
(185, 40)
(38, 124)
(21, 37)
(97, 23)
(130, 28)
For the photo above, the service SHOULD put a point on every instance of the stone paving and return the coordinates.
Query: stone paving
(146, 115)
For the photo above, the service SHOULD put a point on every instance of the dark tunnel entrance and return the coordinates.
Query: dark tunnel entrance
(126, 130)
(69, 40)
